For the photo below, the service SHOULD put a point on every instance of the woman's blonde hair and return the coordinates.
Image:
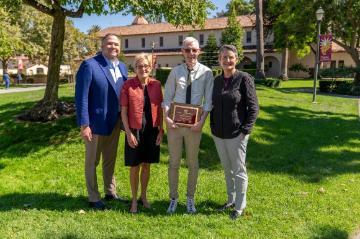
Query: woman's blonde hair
(143, 56)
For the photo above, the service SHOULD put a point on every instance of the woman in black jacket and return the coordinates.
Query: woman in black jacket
(235, 109)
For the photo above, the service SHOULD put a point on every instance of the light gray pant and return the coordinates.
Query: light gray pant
(232, 153)
(192, 139)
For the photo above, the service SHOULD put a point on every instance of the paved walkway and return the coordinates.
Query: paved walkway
(14, 90)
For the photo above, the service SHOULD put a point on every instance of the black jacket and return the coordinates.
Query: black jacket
(235, 108)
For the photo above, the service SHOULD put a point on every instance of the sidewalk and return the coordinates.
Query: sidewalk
(14, 90)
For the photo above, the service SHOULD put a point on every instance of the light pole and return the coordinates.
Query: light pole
(319, 17)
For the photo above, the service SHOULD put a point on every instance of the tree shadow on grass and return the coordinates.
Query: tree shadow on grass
(18, 138)
(330, 232)
(51, 201)
(306, 144)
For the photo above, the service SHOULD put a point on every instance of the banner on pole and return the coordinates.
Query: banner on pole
(325, 47)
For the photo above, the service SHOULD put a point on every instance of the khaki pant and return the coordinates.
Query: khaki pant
(107, 146)
(176, 137)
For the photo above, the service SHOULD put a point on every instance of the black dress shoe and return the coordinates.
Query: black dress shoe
(235, 214)
(99, 205)
(226, 206)
(114, 197)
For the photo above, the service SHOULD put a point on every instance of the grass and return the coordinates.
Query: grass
(303, 164)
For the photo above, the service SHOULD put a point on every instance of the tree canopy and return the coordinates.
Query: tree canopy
(181, 12)
(210, 53)
(233, 33)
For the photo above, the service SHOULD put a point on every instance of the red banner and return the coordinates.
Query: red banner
(325, 47)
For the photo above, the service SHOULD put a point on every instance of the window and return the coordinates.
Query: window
(248, 37)
(143, 42)
(39, 70)
(333, 64)
(270, 64)
(181, 38)
(341, 64)
(167, 65)
(201, 39)
(126, 43)
(161, 40)
(159, 65)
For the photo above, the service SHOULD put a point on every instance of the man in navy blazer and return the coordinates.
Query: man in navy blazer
(97, 93)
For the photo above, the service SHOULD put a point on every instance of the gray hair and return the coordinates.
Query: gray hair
(189, 40)
(228, 48)
(107, 36)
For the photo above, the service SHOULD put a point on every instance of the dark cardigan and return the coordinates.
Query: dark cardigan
(235, 108)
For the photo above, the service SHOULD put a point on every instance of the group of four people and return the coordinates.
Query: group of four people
(107, 102)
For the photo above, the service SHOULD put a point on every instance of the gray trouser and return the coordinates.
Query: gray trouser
(232, 153)
(192, 139)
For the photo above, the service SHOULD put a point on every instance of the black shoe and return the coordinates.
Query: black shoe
(99, 205)
(114, 197)
(226, 206)
(235, 214)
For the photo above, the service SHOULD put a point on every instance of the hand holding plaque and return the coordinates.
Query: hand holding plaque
(185, 114)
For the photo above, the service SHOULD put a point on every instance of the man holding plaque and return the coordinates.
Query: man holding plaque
(187, 102)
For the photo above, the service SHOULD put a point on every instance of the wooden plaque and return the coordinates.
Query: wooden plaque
(185, 114)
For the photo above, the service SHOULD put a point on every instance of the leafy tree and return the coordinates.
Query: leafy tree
(260, 67)
(93, 43)
(209, 57)
(176, 12)
(242, 7)
(233, 33)
(342, 19)
(10, 38)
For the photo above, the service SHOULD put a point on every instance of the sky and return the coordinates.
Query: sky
(103, 21)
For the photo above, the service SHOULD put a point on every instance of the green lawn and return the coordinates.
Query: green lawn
(303, 164)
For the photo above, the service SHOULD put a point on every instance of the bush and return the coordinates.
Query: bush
(298, 67)
(162, 74)
(345, 72)
(343, 87)
(216, 71)
(250, 71)
(272, 83)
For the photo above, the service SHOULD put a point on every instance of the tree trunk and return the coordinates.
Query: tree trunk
(284, 64)
(49, 108)
(260, 72)
(4, 63)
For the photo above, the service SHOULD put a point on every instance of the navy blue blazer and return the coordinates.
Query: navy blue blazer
(97, 96)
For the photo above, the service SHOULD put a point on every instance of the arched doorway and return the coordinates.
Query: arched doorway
(272, 66)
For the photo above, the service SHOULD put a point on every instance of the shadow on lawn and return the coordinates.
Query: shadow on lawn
(306, 144)
(47, 201)
(18, 139)
(329, 232)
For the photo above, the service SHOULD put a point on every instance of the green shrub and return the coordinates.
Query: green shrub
(250, 71)
(272, 83)
(343, 87)
(345, 72)
(298, 67)
(162, 74)
(216, 71)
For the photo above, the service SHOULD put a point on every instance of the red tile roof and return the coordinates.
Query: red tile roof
(210, 24)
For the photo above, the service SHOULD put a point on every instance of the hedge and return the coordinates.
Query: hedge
(343, 87)
(344, 72)
(272, 83)
(162, 74)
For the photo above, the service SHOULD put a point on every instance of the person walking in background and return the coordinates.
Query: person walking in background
(235, 109)
(6, 79)
(141, 113)
(97, 92)
(18, 78)
(191, 83)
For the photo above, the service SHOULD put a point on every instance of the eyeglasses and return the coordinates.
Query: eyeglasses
(142, 66)
(188, 50)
